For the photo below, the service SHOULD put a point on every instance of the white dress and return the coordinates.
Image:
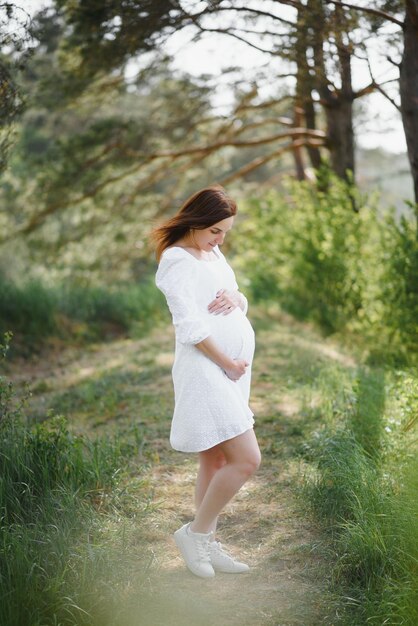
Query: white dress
(209, 407)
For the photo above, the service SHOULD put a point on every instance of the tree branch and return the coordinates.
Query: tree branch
(380, 89)
(258, 162)
(369, 10)
(293, 132)
(250, 31)
(226, 31)
(246, 10)
(387, 96)
(286, 121)
(267, 104)
(37, 220)
(305, 135)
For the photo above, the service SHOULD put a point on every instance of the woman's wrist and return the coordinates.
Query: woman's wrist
(226, 363)
(211, 350)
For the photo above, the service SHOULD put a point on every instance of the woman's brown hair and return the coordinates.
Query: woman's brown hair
(203, 209)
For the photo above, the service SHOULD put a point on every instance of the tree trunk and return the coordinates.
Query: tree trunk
(340, 134)
(305, 82)
(297, 149)
(337, 103)
(409, 89)
(310, 121)
(342, 122)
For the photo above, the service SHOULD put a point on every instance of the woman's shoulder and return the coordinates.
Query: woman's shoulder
(174, 264)
(175, 271)
(175, 252)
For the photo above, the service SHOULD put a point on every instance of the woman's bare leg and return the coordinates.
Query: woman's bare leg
(242, 457)
(210, 461)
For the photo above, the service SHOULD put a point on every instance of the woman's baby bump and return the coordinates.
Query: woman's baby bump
(233, 333)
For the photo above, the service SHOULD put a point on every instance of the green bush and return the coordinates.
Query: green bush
(28, 310)
(129, 308)
(55, 565)
(389, 315)
(355, 272)
(304, 248)
(33, 312)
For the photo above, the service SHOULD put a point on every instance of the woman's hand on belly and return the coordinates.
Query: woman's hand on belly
(233, 368)
(237, 370)
(225, 302)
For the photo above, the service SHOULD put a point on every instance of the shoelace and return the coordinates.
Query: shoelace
(202, 548)
(217, 547)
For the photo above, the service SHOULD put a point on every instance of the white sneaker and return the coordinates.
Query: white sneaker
(224, 562)
(195, 550)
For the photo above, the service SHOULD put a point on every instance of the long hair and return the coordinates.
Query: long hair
(203, 209)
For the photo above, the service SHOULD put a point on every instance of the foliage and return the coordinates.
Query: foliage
(133, 308)
(54, 559)
(33, 311)
(307, 242)
(107, 35)
(112, 140)
(395, 287)
(28, 309)
(365, 499)
(14, 34)
(348, 271)
(80, 177)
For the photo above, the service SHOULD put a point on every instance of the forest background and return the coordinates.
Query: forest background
(103, 133)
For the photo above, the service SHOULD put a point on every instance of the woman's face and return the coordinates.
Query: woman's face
(212, 236)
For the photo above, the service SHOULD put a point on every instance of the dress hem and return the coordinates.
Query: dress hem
(194, 451)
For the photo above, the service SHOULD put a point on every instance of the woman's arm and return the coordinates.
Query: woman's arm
(234, 369)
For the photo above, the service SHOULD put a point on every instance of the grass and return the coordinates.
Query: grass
(56, 557)
(105, 388)
(327, 427)
(57, 562)
(361, 489)
(34, 312)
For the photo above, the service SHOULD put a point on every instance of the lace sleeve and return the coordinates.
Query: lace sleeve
(176, 279)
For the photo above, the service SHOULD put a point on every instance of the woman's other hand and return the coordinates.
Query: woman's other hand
(225, 302)
(233, 368)
(236, 369)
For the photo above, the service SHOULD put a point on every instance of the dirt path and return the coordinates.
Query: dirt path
(264, 529)
(111, 385)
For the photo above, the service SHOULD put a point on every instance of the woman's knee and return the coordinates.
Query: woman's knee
(250, 463)
(243, 452)
(254, 460)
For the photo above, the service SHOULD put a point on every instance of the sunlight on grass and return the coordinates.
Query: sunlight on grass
(302, 386)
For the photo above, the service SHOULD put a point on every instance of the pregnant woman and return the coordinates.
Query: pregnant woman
(211, 371)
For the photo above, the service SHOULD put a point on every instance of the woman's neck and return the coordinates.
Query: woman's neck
(194, 250)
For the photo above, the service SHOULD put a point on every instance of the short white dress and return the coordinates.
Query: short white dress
(209, 407)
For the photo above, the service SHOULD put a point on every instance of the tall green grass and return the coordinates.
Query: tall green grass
(33, 311)
(363, 492)
(28, 309)
(57, 565)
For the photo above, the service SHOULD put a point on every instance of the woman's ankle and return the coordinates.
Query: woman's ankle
(194, 528)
